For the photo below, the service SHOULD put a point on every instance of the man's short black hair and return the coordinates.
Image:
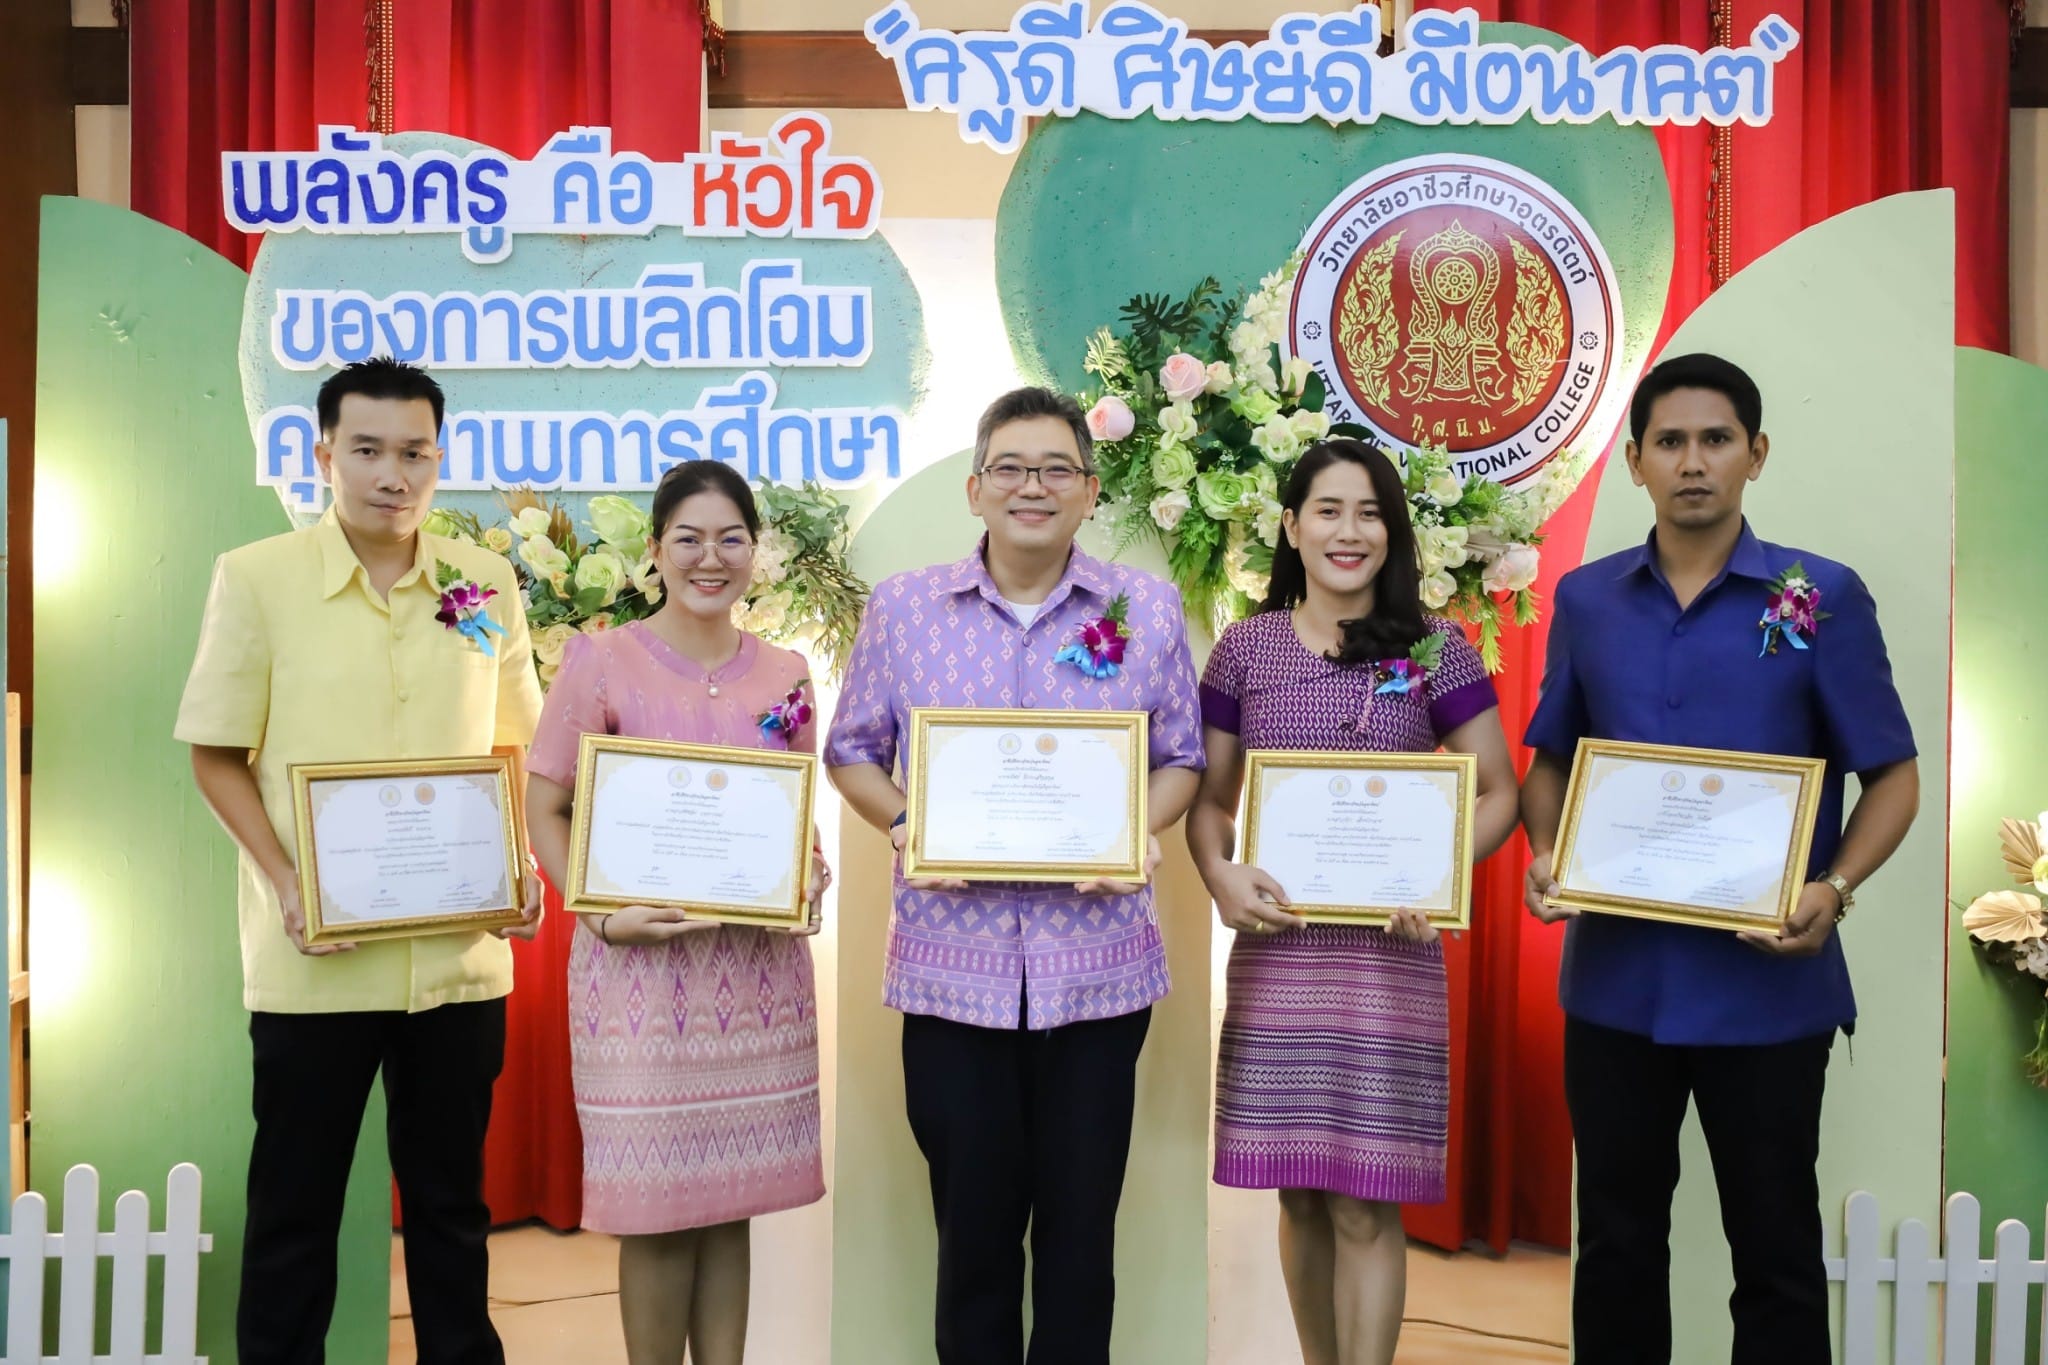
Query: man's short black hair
(378, 377)
(1699, 371)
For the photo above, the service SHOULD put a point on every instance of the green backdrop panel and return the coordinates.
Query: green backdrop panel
(1867, 483)
(1997, 1122)
(1100, 209)
(144, 474)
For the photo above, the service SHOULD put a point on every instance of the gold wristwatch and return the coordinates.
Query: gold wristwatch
(1841, 885)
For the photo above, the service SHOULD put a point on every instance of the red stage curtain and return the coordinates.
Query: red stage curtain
(1881, 97)
(208, 76)
(1834, 143)
(238, 75)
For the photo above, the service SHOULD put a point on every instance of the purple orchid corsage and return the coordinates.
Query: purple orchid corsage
(1397, 677)
(1100, 651)
(463, 607)
(787, 716)
(1792, 613)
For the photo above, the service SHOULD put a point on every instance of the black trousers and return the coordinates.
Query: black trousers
(1024, 1126)
(1760, 1109)
(313, 1074)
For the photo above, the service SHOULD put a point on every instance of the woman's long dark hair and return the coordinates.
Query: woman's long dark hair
(1395, 623)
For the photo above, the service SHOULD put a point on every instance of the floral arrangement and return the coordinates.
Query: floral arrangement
(1199, 413)
(2008, 925)
(803, 592)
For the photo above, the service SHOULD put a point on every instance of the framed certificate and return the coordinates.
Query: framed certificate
(418, 846)
(1695, 836)
(1353, 837)
(1027, 796)
(720, 833)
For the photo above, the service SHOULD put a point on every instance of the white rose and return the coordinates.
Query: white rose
(1219, 377)
(1177, 423)
(1515, 569)
(531, 522)
(766, 614)
(647, 578)
(1276, 440)
(547, 559)
(1294, 373)
(772, 553)
(1438, 589)
(1427, 552)
(1445, 489)
(1169, 507)
(1267, 523)
(550, 641)
(1310, 426)
(1451, 546)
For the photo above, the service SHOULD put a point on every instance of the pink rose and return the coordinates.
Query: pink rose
(1183, 377)
(1514, 570)
(1110, 419)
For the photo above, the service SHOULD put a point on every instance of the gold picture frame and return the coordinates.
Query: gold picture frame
(791, 909)
(1677, 762)
(1131, 731)
(403, 784)
(1362, 767)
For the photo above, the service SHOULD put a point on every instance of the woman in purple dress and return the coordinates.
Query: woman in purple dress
(1333, 1076)
(693, 1045)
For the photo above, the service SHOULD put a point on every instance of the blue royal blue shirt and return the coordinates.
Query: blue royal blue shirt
(1625, 663)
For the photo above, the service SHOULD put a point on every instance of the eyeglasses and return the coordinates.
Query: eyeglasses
(734, 550)
(1008, 476)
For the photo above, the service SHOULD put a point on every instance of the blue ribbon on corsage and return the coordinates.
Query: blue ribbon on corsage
(1775, 630)
(1402, 677)
(1095, 666)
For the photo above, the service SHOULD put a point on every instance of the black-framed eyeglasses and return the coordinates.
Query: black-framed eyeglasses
(1008, 475)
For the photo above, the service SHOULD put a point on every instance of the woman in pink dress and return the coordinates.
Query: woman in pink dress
(1333, 1070)
(693, 1045)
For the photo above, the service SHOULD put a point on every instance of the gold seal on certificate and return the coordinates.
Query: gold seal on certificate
(1696, 836)
(719, 833)
(1353, 837)
(419, 846)
(1027, 796)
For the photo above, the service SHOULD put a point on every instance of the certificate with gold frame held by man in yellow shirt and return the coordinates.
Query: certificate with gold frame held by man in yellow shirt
(415, 846)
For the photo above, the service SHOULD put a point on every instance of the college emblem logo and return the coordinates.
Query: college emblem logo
(1461, 302)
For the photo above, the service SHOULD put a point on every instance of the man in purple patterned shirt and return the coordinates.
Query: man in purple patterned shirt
(1024, 1005)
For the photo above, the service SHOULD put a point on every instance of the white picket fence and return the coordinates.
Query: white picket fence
(29, 1246)
(1915, 1268)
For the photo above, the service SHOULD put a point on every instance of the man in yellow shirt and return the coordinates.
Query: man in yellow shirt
(322, 646)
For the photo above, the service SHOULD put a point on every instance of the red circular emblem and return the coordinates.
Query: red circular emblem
(1461, 303)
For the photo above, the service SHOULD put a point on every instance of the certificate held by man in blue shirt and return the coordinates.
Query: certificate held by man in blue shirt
(1708, 637)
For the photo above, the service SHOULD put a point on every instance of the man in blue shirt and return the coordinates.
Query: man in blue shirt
(1662, 644)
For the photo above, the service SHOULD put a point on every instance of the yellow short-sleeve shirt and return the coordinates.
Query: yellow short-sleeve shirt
(300, 661)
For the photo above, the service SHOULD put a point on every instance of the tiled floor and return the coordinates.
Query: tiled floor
(555, 1300)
